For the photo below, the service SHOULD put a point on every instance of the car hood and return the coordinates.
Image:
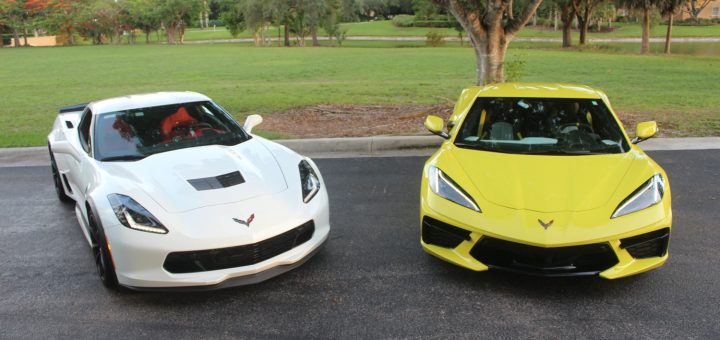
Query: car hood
(544, 183)
(165, 177)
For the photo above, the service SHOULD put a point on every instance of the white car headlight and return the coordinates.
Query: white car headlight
(446, 188)
(309, 181)
(647, 195)
(134, 216)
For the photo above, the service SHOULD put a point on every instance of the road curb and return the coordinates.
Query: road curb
(376, 146)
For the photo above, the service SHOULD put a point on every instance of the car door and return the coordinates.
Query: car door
(81, 169)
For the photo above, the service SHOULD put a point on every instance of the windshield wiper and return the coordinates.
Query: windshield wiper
(561, 152)
(123, 158)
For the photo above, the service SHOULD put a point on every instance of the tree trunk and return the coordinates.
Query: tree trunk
(16, 36)
(567, 18)
(583, 31)
(668, 36)
(25, 34)
(645, 48)
(287, 34)
(313, 34)
(170, 31)
(490, 34)
(555, 20)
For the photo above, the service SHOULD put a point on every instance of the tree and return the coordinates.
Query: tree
(489, 31)
(694, 7)
(583, 12)
(62, 18)
(144, 15)
(567, 13)
(646, 6)
(669, 8)
(331, 20)
(176, 15)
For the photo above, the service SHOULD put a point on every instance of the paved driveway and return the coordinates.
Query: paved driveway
(372, 279)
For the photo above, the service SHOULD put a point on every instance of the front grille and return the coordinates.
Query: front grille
(442, 234)
(221, 181)
(245, 255)
(560, 261)
(652, 244)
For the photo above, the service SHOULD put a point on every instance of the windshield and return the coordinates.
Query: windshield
(138, 133)
(541, 126)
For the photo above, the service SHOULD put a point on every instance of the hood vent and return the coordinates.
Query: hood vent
(217, 182)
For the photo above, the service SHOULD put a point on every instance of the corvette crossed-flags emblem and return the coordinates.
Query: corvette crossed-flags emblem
(246, 222)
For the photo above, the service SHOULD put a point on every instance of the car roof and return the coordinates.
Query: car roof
(538, 90)
(144, 100)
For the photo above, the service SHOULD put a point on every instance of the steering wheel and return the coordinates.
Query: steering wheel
(200, 125)
(578, 126)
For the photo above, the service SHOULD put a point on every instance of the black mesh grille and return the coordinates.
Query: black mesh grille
(222, 181)
(576, 260)
(245, 255)
(652, 244)
(442, 234)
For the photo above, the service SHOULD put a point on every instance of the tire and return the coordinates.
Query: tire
(57, 180)
(102, 255)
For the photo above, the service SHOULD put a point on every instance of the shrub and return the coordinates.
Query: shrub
(434, 39)
(514, 68)
(403, 20)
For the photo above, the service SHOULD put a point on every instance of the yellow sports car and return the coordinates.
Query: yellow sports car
(542, 179)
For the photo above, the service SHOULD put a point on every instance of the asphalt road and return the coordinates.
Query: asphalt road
(372, 280)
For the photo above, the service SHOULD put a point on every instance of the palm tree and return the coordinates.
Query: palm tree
(645, 6)
(669, 8)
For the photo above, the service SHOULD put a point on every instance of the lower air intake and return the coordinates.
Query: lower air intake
(587, 259)
(442, 234)
(652, 244)
(245, 255)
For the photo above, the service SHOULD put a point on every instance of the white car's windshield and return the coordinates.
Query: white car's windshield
(541, 126)
(137, 133)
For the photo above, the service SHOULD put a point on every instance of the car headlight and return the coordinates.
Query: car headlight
(446, 188)
(134, 216)
(648, 194)
(309, 181)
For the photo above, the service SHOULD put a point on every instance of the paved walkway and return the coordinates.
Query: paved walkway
(378, 146)
(422, 38)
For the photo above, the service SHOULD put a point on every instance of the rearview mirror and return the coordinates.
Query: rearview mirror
(434, 124)
(644, 131)
(64, 147)
(252, 121)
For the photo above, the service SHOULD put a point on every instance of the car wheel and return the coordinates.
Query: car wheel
(57, 180)
(102, 255)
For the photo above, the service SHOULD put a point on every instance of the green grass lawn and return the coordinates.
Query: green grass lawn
(682, 90)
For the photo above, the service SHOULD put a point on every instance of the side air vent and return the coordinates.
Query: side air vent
(217, 182)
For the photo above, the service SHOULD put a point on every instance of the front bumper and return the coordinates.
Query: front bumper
(216, 252)
(542, 252)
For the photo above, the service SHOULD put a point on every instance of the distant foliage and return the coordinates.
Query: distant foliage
(436, 21)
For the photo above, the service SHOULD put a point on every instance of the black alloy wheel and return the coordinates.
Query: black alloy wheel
(102, 255)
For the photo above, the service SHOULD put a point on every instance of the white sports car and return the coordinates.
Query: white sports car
(171, 192)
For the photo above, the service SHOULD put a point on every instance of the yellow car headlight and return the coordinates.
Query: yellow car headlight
(445, 187)
(647, 195)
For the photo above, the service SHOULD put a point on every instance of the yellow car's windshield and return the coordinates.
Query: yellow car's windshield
(541, 126)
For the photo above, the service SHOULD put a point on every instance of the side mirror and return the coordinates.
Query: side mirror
(252, 121)
(644, 131)
(64, 147)
(434, 124)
